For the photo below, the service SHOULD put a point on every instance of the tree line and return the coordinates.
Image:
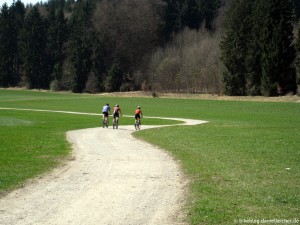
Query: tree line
(89, 45)
(236, 47)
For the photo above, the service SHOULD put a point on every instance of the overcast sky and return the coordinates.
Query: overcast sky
(9, 2)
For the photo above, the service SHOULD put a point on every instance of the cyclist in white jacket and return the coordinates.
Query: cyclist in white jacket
(105, 110)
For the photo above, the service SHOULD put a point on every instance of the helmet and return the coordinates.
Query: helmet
(107, 104)
(117, 105)
(139, 107)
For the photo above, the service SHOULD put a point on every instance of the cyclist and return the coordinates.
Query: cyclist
(138, 115)
(105, 111)
(117, 112)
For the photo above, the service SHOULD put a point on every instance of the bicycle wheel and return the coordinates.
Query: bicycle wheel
(103, 122)
(106, 122)
(114, 124)
(137, 125)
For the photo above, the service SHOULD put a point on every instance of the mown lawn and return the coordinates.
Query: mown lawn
(243, 164)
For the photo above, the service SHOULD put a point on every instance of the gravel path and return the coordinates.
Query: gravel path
(112, 179)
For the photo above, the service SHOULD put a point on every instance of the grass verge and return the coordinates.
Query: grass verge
(243, 165)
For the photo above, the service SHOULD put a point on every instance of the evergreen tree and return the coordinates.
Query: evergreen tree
(234, 47)
(80, 46)
(296, 8)
(56, 4)
(114, 78)
(209, 10)
(192, 17)
(5, 44)
(278, 53)
(257, 48)
(253, 55)
(17, 18)
(98, 57)
(34, 50)
(175, 11)
(298, 57)
(11, 23)
(189, 13)
(57, 35)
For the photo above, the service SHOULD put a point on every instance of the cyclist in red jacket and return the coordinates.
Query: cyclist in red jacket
(138, 115)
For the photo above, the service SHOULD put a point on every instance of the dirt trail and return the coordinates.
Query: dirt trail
(113, 179)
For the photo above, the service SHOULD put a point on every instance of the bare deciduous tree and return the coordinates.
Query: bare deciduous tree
(191, 63)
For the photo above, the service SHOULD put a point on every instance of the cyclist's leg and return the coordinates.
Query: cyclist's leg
(116, 117)
(138, 120)
(135, 121)
(114, 121)
(106, 119)
(103, 120)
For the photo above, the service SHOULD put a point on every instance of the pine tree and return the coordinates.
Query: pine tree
(297, 46)
(56, 36)
(189, 13)
(5, 44)
(174, 16)
(278, 52)
(296, 4)
(209, 10)
(10, 26)
(34, 50)
(234, 47)
(253, 67)
(257, 48)
(18, 14)
(114, 78)
(98, 57)
(80, 46)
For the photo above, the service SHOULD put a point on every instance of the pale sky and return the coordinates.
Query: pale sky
(25, 2)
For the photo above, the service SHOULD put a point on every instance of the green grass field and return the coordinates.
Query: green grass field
(243, 164)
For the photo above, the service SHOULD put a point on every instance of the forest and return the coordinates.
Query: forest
(228, 47)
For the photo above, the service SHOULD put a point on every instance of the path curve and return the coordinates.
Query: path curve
(112, 179)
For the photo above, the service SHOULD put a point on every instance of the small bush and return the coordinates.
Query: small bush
(126, 87)
(154, 94)
(92, 85)
(54, 85)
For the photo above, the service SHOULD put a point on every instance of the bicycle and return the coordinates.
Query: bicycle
(137, 124)
(105, 122)
(115, 122)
